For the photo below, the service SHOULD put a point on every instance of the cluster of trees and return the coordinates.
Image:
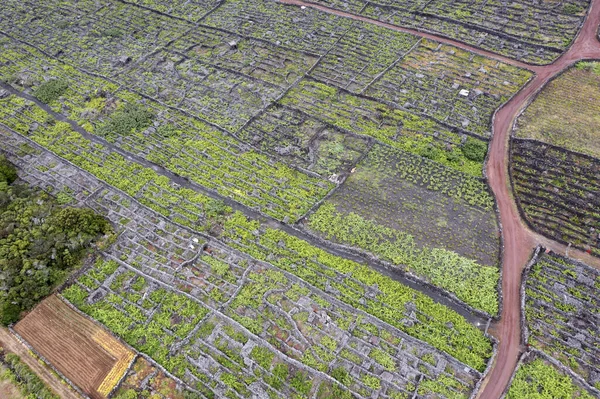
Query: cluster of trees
(40, 242)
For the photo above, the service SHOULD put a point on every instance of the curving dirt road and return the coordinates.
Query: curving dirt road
(518, 239)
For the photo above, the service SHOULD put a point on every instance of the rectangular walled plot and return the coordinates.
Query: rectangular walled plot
(81, 350)
(559, 192)
(191, 10)
(418, 197)
(390, 125)
(303, 140)
(93, 37)
(451, 85)
(259, 59)
(213, 94)
(562, 311)
(286, 25)
(364, 52)
(326, 335)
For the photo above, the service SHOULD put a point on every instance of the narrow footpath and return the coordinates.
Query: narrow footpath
(518, 240)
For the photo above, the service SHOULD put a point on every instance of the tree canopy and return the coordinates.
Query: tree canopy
(41, 242)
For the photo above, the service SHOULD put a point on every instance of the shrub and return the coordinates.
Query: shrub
(8, 173)
(130, 119)
(50, 90)
(475, 150)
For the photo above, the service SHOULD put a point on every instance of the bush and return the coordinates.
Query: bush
(474, 149)
(8, 173)
(130, 119)
(51, 90)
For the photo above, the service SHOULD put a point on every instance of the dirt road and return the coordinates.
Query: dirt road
(12, 344)
(518, 240)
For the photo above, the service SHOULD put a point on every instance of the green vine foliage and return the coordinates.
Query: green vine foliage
(540, 380)
(472, 283)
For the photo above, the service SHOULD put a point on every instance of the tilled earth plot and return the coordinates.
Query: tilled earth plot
(81, 350)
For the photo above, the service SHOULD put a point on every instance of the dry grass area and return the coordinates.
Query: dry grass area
(567, 111)
(84, 352)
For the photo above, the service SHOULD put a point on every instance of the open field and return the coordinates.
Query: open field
(566, 113)
(82, 351)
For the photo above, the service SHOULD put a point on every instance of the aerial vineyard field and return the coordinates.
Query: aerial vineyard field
(216, 275)
(298, 198)
(537, 378)
(562, 313)
(531, 31)
(376, 210)
(557, 191)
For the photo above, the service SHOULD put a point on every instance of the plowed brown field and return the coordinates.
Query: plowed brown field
(81, 350)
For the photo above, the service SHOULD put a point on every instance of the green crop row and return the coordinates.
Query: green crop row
(296, 256)
(541, 380)
(472, 283)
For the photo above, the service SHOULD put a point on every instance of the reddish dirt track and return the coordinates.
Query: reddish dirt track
(518, 240)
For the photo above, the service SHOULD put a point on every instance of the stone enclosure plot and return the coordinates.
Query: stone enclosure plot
(566, 112)
(256, 58)
(536, 377)
(562, 311)
(390, 125)
(364, 52)
(306, 142)
(170, 138)
(191, 10)
(216, 95)
(94, 37)
(362, 288)
(286, 25)
(450, 85)
(371, 358)
(531, 31)
(211, 355)
(558, 192)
